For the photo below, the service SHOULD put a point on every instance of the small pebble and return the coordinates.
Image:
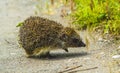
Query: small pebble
(102, 53)
(87, 58)
(100, 39)
(116, 56)
(119, 47)
(12, 53)
(69, 60)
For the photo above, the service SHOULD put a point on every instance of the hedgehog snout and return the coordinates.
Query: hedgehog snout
(82, 44)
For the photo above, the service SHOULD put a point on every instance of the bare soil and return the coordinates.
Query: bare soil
(96, 59)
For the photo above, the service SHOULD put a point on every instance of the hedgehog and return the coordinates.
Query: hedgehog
(38, 36)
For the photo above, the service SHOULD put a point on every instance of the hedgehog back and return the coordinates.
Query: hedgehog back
(39, 32)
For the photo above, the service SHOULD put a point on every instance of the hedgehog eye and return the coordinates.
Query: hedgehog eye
(75, 40)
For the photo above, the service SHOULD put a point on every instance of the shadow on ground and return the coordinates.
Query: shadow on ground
(58, 56)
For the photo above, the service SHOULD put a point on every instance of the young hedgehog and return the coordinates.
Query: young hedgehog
(40, 35)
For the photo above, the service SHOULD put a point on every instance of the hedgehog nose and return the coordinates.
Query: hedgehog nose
(82, 44)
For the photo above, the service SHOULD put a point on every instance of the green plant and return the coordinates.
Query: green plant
(94, 13)
(19, 24)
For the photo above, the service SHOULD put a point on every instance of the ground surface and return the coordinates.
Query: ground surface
(96, 59)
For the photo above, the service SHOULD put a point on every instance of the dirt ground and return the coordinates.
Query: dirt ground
(96, 59)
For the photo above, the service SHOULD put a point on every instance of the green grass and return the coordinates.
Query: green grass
(91, 14)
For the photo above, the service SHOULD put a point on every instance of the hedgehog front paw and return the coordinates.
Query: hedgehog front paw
(66, 50)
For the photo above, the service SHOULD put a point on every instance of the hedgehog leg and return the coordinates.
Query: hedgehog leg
(46, 55)
(64, 47)
(66, 50)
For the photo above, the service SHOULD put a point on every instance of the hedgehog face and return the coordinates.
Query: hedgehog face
(71, 38)
(76, 42)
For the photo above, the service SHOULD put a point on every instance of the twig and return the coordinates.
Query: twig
(7, 41)
(83, 70)
(70, 69)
